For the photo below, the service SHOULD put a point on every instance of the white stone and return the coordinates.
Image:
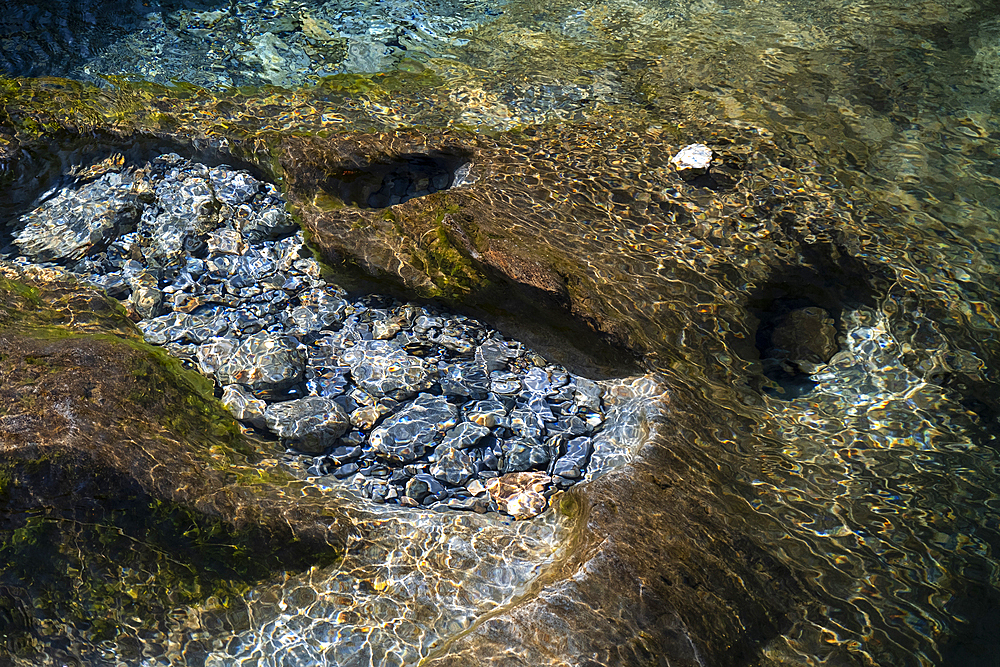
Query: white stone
(694, 156)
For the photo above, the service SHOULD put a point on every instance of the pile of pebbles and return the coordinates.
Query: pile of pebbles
(404, 403)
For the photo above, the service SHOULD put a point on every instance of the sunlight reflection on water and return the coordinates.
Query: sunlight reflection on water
(884, 475)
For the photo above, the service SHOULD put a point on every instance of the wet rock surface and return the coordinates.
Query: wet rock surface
(407, 404)
(806, 336)
(590, 218)
(127, 491)
(653, 522)
(692, 160)
(226, 46)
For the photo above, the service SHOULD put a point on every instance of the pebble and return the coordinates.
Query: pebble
(406, 404)
(410, 433)
(520, 494)
(313, 422)
(694, 158)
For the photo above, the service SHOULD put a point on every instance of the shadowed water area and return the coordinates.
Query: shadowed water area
(780, 371)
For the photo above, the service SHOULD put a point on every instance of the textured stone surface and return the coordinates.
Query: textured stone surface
(805, 335)
(142, 466)
(313, 423)
(520, 493)
(453, 466)
(244, 406)
(692, 158)
(415, 428)
(264, 361)
(383, 369)
(73, 224)
(651, 522)
(466, 434)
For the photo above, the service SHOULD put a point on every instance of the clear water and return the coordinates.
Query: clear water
(878, 476)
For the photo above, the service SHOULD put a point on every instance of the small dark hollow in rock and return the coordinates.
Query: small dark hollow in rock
(794, 337)
(715, 179)
(405, 177)
(799, 318)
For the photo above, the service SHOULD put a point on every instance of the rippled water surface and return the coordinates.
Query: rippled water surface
(874, 465)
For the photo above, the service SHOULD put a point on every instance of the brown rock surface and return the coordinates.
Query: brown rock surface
(584, 230)
(806, 335)
(113, 456)
(664, 571)
(520, 493)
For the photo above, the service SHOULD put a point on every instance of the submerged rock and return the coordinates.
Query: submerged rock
(693, 159)
(112, 454)
(313, 422)
(264, 361)
(75, 223)
(453, 466)
(806, 336)
(466, 434)
(383, 369)
(243, 405)
(520, 493)
(415, 429)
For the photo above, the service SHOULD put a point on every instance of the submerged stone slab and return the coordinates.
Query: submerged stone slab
(76, 222)
(141, 465)
(313, 423)
(409, 433)
(264, 361)
(640, 293)
(520, 493)
(383, 369)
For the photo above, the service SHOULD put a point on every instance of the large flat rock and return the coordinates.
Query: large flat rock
(582, 240)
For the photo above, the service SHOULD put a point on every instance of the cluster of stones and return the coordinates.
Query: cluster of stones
(407, 404)
(254, 43)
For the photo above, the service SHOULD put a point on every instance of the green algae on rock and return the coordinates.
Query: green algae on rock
(129, 491)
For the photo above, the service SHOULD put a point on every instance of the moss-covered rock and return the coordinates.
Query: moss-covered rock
(128, 489)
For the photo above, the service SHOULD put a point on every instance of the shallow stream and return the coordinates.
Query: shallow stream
(869, 468)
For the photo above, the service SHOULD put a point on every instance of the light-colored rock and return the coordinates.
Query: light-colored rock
(243, 405)
(696, 157)
(314, 422)
(410, 432)
(520, 493)
(264, 361)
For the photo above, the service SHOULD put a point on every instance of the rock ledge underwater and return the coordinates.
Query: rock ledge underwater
(209, 270)
(731, 322)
